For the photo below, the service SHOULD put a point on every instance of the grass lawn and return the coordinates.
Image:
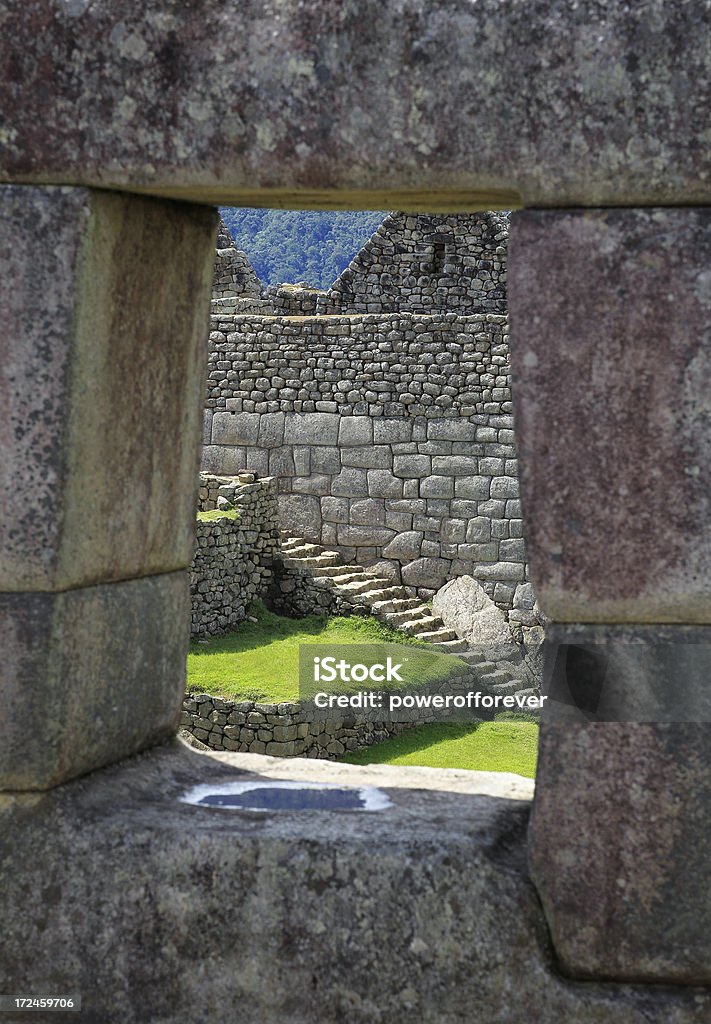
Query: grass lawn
(216, 513)
(500, 746)
(260, 661)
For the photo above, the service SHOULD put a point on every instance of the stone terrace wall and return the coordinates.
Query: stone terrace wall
(232, 565)
(282, 730)
(391, 438)
(426, 264)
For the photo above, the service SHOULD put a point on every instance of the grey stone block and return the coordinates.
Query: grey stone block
(451, 430)
(499, 571)
(311, 428)
(437, 487)
(452, 531)
(369, 457)
(207, 426)
(382, 484)
(317, 483)
(223, 459)
(364, 536)
(367, 512)
(425, 572)
(271, 430)
(633, 558)
(629, 708)
(479, 552)
(409, 466)
(127, 145)
(300, 514)
(440, 818)
(238, 428)
(392, 431)
(334, 510)
(94, 408)
(325, 460)
(405, 547)
(479, 530)
(504, 487)
(350, 483)
(355, 430)
(89, 676)
(491, 467)
(512, 550)
(475, 487)
(281, 462)
(456, 465)
(302, 459)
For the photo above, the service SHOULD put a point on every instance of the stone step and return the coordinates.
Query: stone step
(416, 626)
(473, 658)
(372, 587)
(359, 585)
(344, 579)
(451, 646)
(437, 636)
(305, 551)
(409, 615)
(495, 679)
(506, 689)
(384, 598)
(396, 604)
(336, 571)
(308, 562)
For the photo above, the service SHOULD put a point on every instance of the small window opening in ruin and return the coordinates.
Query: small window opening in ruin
(438, 258)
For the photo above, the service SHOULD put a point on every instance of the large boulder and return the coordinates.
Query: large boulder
(464, 606)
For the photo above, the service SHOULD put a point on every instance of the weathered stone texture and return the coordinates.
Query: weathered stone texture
(612, 365)
(426, 107)
(449, 450)
(437, 880)
(232, 564)
(426, 264)
(89, 676)
(102, 356)
(619, 849)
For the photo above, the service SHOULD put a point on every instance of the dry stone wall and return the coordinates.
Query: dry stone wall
(282, 730)
(426, 264)
(233, 273)
(391, 437)
(232, 565)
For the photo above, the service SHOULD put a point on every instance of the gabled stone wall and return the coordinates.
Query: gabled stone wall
(426, 264)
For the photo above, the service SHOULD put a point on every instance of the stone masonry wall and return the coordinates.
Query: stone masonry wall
(426, 264)
(232, 565)
(233, 273)
(282, 730)
(391, 437)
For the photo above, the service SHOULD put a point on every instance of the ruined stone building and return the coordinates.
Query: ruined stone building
(382, 405)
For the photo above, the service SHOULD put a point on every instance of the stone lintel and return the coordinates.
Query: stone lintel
(562, 104)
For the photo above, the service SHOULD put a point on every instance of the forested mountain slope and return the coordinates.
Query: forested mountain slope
(286, 246)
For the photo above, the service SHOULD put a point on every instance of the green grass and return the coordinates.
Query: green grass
(260, 661)
(500, 746)
(216, 513)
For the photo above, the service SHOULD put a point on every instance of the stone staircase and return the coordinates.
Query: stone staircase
(393, 605)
